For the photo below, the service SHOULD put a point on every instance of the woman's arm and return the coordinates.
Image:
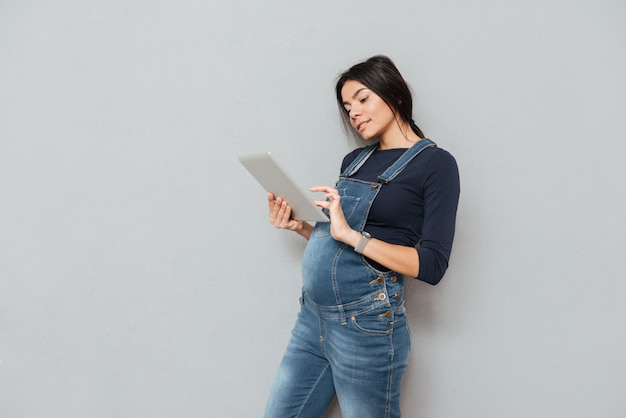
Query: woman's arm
(430, 261)
(441, 197)
(399, 258)
(280, 217)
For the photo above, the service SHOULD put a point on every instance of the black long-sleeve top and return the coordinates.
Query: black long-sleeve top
(417, 208)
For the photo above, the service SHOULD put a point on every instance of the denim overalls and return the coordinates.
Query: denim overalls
(351, 335)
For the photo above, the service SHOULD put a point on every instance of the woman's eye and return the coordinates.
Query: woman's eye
(363, 99)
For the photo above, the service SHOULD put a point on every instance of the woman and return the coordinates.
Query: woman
(392, 214)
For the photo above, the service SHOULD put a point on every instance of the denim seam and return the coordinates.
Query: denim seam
(334, 273)
(331, 313)
(312, 390)
(390, 377)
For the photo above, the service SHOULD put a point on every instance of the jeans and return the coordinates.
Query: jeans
(359, 352)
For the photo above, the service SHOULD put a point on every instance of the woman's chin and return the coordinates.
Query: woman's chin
(367, 137)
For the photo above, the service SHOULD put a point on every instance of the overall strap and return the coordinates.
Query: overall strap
(404, 159)
(359, 160)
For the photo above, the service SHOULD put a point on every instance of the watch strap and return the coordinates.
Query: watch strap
(365, 237)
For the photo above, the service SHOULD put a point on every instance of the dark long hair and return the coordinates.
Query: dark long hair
(380, 75)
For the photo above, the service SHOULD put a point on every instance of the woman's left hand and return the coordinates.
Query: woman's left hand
(339, 228)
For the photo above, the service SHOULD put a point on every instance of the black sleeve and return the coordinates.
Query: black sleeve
(441, 197)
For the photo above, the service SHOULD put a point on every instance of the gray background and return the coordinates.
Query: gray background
(141, 278)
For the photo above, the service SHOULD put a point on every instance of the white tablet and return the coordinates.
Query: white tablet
(275, 179)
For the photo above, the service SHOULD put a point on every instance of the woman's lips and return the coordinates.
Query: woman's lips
(361, 125)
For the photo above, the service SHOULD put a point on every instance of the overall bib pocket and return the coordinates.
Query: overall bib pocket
(348, 205)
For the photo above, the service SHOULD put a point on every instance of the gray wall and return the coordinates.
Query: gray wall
(140, 277)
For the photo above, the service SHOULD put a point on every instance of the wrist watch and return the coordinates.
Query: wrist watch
(365, 237)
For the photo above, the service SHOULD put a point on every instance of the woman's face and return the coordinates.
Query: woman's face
(369, 114)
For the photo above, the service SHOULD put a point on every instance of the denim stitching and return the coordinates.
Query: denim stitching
(302, 408)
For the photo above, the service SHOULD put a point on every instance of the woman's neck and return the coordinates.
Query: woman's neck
(400, 136)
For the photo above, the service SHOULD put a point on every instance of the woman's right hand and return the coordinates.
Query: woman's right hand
(280, 217)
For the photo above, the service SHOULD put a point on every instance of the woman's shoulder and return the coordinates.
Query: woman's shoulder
(440, 166)
(438, 153)
(351, 156)
(440, 157)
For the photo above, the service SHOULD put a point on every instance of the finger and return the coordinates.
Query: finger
(277, 203)
(325, 189)
(280, 208)
(277, 209)
(270, 201)
(286, 215)
(330, 193)
(274, 209)
(322, 203)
